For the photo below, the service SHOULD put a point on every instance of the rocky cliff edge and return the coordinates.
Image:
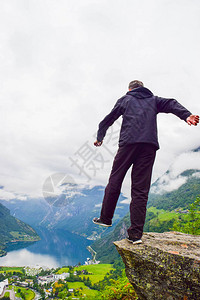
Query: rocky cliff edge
(165, 266)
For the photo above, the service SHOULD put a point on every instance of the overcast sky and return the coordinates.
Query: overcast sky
(64, 64)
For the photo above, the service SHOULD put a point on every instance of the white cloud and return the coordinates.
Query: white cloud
(168, 183)
(5, 195)
(196, 175)
(185, 161)
(65, 63)
(173, 179)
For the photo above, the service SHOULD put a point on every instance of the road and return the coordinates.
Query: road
(12, 294)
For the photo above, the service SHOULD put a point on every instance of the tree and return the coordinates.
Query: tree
(192, 224)
(119, 289)
(22, 295)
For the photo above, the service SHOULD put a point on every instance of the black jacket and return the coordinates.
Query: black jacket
(139, 109)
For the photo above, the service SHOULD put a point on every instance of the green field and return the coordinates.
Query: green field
(98, 272)
(29, 294)
(85, 290)
(7, 294)
(163, 215)
(11, 269)
(63, 270)
(96, 269)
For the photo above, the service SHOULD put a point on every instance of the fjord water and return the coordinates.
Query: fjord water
(55, 249)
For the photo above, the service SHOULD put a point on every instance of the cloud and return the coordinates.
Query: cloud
(168, 183)
(196, 175)
(173, 179)
(5, 195)
(185, 161)
(64, 65)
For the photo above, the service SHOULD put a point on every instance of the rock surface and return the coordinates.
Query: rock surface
(165, 266)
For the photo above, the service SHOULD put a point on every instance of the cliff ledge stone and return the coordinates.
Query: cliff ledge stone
(165, 266)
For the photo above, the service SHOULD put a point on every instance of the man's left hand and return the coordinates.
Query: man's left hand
(193, 120)
(97, 143)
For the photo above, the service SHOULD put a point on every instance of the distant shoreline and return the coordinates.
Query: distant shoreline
(3, 251)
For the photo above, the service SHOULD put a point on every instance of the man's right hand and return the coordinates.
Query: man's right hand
(97, 143)
(193, 120)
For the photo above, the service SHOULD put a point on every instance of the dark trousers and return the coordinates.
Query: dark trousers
(141, 157)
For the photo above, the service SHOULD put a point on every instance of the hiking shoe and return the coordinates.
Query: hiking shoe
(98, 221)
(134, 241)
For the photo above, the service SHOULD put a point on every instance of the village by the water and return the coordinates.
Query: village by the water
(41, 282)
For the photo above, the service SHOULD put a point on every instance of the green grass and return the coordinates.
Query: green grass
(63, 270)
(29, 294)
(16, 234)
(100, 269)
(11, 269)
(165, 220)
(163, 215)
(94, 278)
(76, 285)
(98, 272)
(85, 290)
(167, 216)
(25, 237)
(89, 292)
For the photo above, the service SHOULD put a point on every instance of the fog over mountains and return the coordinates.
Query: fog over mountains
(72, 210)
(174, 177)
(69, 207)
(72, 207)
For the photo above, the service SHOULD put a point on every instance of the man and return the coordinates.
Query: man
(138, 144)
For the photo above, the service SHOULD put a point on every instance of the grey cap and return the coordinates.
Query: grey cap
(135, 84)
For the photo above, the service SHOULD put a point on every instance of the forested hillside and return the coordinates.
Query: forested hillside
(178, 198)
(12, 229)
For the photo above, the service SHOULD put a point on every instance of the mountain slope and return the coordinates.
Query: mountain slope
(12, 230)
(180, 197)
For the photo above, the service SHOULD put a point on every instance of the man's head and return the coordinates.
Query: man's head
(135, 84)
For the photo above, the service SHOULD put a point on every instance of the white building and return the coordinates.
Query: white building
(91, 262)
(45, 279)
(23, 283)
(61, 276)
(3, 285)
(51, 278)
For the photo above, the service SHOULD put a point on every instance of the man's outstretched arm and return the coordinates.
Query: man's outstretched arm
(107, 122)
(192, 120)
(173, 106)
